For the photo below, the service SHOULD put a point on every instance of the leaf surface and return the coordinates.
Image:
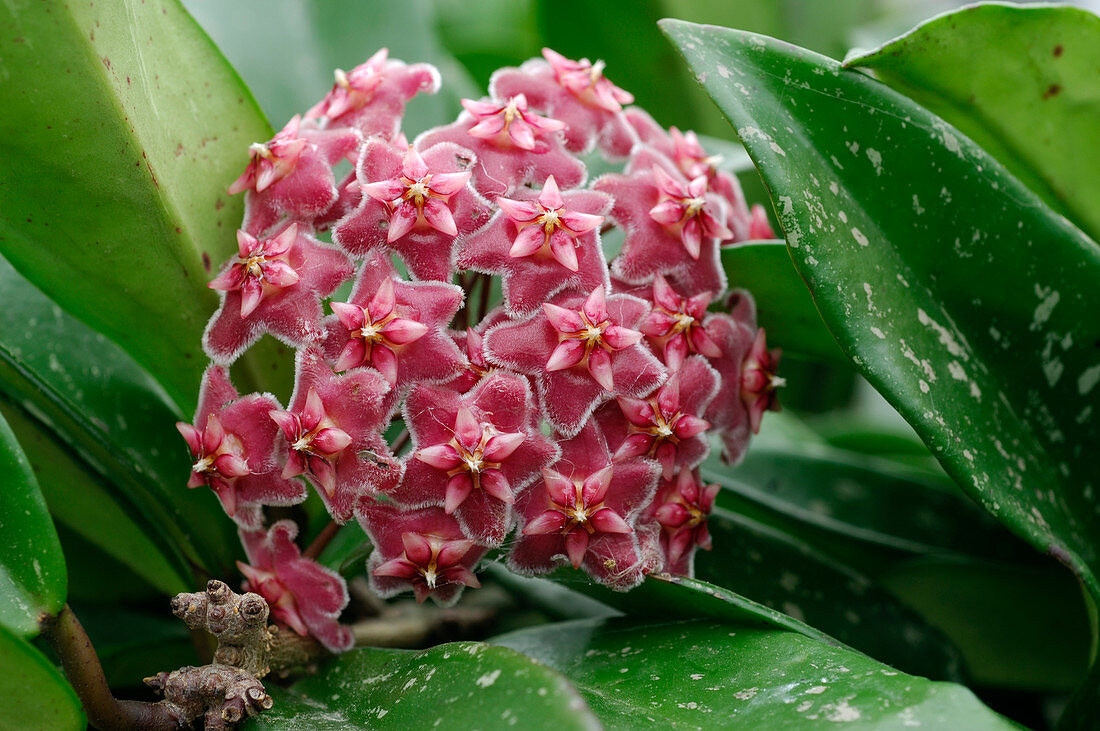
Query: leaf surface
(33, 693)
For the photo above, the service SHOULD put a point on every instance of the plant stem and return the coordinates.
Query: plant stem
(82, 667)
(323, 538)
(400, 442)
(483, 296)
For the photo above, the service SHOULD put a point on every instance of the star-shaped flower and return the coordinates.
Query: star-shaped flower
(733, 333)
(424, 550)
(686, 211)
(396, 327)
(541, 246)
(273, 286)
(651, 247)
(759, 381)
(500, 164)
(333, 431)
(473, 452)
(585, 509)
(232, 444)
(582, 352)
(302, 594)
(509, 124)
(371, 97)
(666, 426)
(680, 509)
(415, 204)
(577, 93)
(675, 324)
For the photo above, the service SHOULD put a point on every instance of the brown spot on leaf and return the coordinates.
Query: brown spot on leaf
(219, 204)
(1058, 50)
(1053, 90)
(206, 261)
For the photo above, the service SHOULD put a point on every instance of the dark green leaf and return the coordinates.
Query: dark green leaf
(33, 694)
(457, 685)
(1032, 100)
(134, 645)
(784, 573)
(960, 295)
(784, 307)
(120, 136)
(32, 567)
(113, 421)
(707, 675)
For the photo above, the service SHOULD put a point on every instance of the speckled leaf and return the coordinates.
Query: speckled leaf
(960, 295)
(784, 573)
(32, 568)
(113, 421)
(121, 128)
(784, 307)
(704, 675)
(33, 693)
(1032, 100)
(457, 685)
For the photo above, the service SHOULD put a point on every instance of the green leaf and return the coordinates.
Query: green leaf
(1031, 100)
(1017, 626)
(707, 675)
(32, 567)
(33, 694)
(456, 685)
(133, 645)
(784, 307)
(80, 501)
(114, 422)
(287, 50)
(124, 131)
(784, 573)
(962, 297)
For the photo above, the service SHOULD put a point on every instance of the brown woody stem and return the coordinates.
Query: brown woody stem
(323, 538)
(82, 667)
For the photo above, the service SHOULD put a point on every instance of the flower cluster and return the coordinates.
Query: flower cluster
(573, 415)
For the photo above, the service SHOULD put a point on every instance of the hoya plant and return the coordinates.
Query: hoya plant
(453, 399)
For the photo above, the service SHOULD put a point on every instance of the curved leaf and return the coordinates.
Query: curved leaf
(1032, 102)
(784, 308)
(960, 295)
(78, 500)
(111, 418)
(33, 694)
(707, 675)
(457, 685)
(784, 573)
(33, 581)
(121, 126)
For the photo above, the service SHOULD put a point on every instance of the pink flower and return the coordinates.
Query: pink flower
(686, 209)
(233, 448)
(424, 550)
(667, 247)
(333, 431)
(273, 286)
(301, 594)
(733, 333)
(541, 246)
(675, 324)
(666, 426)
(510, 124)
(396, 327)
(681, 509)
(269, 162)
(473, 452)
(582, 353)
(759, 381)
(585, 508)
(575, 92)
(415, 204)
(371, 97)
(760, 227)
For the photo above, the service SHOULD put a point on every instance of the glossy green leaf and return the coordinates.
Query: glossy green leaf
(33, 693)
(78, 499)
(784, 573)
(457, 685)
(1017, 626)
(133, 645)
(784, 307)
(1032, 101)
(706, 675)
(286, 50)
(113, 421)
(32, 567)
(962, 297)
(119, 140)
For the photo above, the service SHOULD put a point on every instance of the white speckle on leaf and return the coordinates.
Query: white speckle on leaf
(876, 159)
(1046, 306)
(1088, 379)
(917, 206)
(744, 695)
(723, 71)
(859, 237)
(878, 333)
(841, 712)
(488, 679)
(816, 690)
